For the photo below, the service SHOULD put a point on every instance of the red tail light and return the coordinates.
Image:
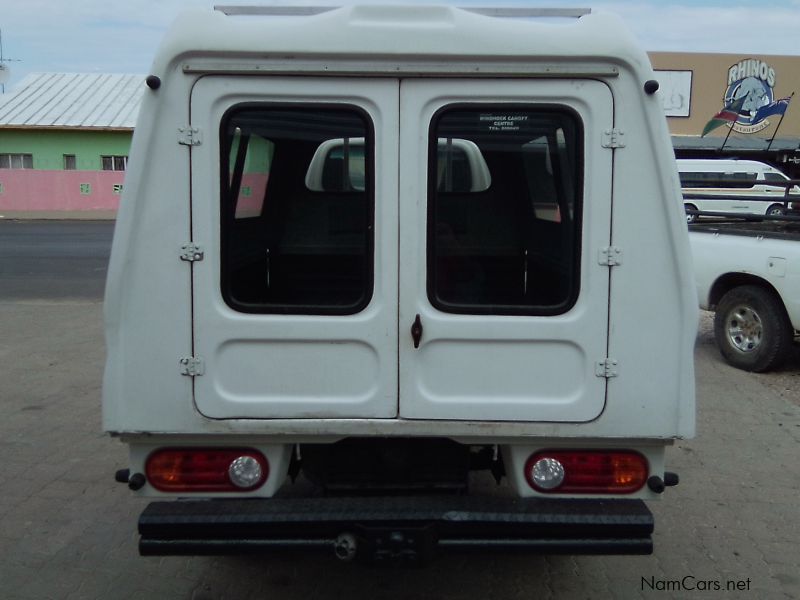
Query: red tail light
(586, 471)
(206, 469)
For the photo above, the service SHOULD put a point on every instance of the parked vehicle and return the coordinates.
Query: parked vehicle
(747, 272)
(733, 186)
(384, 270)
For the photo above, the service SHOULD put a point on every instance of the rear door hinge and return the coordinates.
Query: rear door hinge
(613, 138)
(610, 256)
(191, 252)
(192, 366)
(606, 368)
(189, 136)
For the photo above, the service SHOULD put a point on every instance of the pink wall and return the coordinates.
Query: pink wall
(251, 195)
(32, 190)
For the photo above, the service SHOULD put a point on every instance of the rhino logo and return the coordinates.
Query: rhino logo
(751, 81)
(756, 93)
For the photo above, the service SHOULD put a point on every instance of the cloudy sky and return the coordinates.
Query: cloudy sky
(120, 36)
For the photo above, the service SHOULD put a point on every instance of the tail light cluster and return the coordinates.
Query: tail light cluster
(586, 471)
(206, 469)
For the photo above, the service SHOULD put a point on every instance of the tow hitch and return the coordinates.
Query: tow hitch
(387, 544)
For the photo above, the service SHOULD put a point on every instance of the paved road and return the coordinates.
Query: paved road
(67, 531)
(54, 259)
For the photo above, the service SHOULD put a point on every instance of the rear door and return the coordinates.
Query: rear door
(504, 218)
(294, 202)
(448, 271)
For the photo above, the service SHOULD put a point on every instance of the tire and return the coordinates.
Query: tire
(752, 329)
(776, 210)
(690, 218)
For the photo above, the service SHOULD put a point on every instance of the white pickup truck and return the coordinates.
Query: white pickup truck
(748, 272)
(388, 250)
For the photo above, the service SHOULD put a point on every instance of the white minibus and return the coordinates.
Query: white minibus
(732, 186)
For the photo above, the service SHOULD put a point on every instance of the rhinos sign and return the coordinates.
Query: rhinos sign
(750, 81)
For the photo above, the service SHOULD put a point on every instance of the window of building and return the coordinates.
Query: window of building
(508, 241)
(114, 163)
(16, 161)
(70, 163)
(297, 210)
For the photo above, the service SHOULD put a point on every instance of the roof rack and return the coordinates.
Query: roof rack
(515, 12)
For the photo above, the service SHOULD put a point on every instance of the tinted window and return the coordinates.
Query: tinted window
(717, 180)
(511, 245)
(288, 248)
(774, 178)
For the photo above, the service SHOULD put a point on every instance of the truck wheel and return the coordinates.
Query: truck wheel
(776, 210)
(690, 218)
(751, 328)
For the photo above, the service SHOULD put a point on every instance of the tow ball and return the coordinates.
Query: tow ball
(345, 547)
(387, 545)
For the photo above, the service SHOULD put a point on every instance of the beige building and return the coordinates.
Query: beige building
(696, 87)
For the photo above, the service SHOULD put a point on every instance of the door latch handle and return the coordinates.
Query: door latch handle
(416, 331)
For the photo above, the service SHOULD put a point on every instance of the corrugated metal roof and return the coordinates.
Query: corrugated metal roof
(73, 100)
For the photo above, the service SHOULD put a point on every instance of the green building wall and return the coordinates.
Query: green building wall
(48, 147)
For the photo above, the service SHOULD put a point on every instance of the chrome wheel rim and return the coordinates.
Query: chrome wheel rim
(745, 330)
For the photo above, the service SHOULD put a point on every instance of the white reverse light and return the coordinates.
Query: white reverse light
(245, 472)
(547, 473)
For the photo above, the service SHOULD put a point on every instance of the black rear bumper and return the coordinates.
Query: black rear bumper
(391, 528)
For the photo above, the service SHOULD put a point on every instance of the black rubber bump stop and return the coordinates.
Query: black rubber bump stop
(656, 484)
(137, 481)
(153, 82)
